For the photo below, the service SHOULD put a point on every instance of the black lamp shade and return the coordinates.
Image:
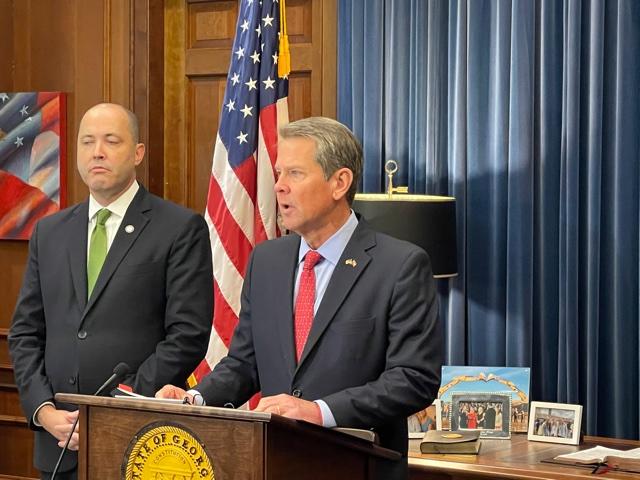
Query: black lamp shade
(425, 220)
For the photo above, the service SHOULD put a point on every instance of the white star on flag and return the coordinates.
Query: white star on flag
(242, 138)
(235, 79)
(268, 20)
(4, 97)
(240, 53)
(251, 84)
(259, 30)
(230, 105)
(24, 110)
(275, 58)
(18, 142)
(246, 111)
(255, 57)
(268, 83)
(245, 25)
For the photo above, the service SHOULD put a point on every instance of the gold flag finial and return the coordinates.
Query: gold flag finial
(284, 54)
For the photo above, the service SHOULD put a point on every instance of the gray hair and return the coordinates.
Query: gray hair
(336, 147)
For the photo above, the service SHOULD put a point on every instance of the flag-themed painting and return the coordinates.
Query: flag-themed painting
(32, 160)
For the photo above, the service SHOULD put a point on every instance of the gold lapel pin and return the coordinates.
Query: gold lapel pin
(351, 261)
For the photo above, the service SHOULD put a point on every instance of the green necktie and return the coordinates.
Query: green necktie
(97, 250)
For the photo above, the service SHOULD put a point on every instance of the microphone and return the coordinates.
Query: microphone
(119, 372)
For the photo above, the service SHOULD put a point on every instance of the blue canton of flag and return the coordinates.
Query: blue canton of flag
(253, 81)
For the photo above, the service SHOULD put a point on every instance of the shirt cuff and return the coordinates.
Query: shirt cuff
(328, 420)
(35, 414)
(197, 398)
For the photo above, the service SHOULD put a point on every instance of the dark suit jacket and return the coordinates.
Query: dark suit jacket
(151, 307)
(374, 352)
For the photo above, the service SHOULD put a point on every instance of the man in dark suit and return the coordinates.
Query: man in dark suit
(122, 277)
(490, 417)
(373, 354)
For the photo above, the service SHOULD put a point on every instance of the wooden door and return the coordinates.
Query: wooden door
(198, 40)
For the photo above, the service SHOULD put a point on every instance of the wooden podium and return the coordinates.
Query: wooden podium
(239, 444)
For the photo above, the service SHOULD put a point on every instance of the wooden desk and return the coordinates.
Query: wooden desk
(511, 459)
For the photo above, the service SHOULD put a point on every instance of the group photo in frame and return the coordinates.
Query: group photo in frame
(512, 380)
(555, 423)
(490, 413)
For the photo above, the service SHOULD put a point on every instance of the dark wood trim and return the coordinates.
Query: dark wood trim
(13, 420)
(7, 61)
(148, 88)
(6, 373)
(330, 58)
(175, 96)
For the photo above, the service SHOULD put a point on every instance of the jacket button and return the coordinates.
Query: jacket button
(72, 380)
(82, 334)
(297, 393)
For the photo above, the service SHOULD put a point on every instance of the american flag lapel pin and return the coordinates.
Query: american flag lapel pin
(351, 261)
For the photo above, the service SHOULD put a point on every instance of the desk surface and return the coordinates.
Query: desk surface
(511, 459)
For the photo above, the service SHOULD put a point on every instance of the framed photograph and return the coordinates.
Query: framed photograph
(32, 160)
(424, 420)
(512, 380)
(488, 412)
(555, 423)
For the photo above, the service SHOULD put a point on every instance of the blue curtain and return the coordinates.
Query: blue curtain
(528, 112)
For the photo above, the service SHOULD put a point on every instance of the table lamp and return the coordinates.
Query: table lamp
(426, 220)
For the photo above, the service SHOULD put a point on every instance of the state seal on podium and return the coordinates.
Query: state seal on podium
(166, 450)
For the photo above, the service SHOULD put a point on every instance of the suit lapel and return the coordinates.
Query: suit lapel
(284, 274)
(77, 251)
(122, 242)
(352, 263)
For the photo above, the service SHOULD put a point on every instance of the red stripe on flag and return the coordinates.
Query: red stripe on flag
(50, 115)
(259, 232)
(224, 318)
(231, 235)
(202, 370)
(269, 128)
(246, 173)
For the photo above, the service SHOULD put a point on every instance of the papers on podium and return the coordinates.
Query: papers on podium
(123, 391)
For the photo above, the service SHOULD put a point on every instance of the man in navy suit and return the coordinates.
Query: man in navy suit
(150, 305)
(373, 354)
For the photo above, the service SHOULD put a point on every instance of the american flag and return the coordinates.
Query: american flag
(241, 204)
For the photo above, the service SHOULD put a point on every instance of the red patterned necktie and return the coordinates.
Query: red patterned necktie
(305, 301)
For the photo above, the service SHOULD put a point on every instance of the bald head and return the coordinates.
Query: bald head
(131, 119)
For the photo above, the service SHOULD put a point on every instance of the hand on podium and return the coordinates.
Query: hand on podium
(175, 393)
(291, 407)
